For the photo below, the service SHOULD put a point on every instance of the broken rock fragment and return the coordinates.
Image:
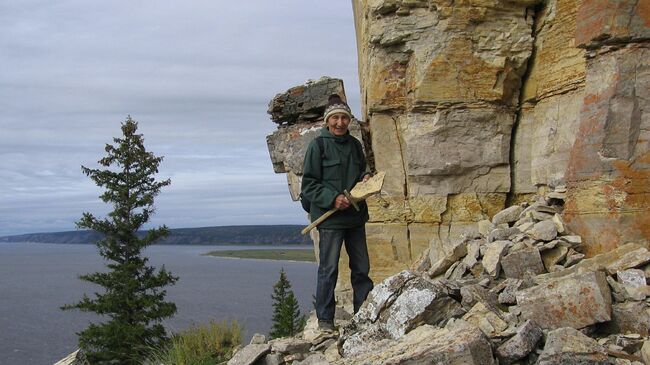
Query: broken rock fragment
(485, 227)
(421, 301)
(486, 319)
(569, 346)
(460, 343)
(249, 354)
(521, 344)
(500, 234)
(382, 295)
(575, 301)
(289, 345)
(543, 231)
(472, 294)
(554, 256)
(456, 253)
(494, 251)
(629, 317)
(508, 215)
(518, 263)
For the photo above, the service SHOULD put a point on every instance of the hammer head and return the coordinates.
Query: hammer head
(351, 199)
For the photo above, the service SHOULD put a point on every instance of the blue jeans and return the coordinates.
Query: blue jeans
(331, 241)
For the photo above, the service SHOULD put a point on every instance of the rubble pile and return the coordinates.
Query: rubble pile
(517, 291)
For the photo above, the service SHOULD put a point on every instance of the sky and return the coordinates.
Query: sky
(197, 76)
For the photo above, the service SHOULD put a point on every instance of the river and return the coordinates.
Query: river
(36, 279)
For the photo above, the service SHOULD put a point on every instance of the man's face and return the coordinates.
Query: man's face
(338, 124)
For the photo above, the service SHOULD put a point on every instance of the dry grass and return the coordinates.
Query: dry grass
(205, 344)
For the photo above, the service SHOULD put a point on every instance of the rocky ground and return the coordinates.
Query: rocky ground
(518, 291)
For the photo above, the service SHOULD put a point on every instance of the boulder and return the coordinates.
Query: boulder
(271, 359)
(290, 345)
(332, 352)
(559, 223)
(544, 231)
(575, 301)
(645, 352)
(365, 341)
(313, 359)
(382, 296)
(508, 215)
(629, 317)
(632, 278)
(473, 253)
(526, 226)
(395, 307)
(501, 234)
(565, 346)
(457, 251)
(472, 294)
(485, 227)
(457, 343)
(421, 301)
(521, 344)
(517, 264)
(249, 354)
(304, 102)
(258, 339)
(553, 256)
(509, 292)
(290, 359)
(486, 319)
(573, 257)
(423, 263)
(572, 240)
(456, 271)
(492, 255)
(624, 257)
(628, 260)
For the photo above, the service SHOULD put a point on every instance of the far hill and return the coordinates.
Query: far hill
(223, 235)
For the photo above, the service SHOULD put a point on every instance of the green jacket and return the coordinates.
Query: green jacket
(341, 168)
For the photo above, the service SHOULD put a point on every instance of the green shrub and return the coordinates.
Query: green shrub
(204, 344)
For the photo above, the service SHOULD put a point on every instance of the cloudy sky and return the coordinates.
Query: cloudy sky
(196, 75)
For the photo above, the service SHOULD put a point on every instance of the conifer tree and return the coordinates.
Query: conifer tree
(287, 320)
(132, 303)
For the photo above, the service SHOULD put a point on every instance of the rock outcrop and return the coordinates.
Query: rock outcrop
(299, 115)
(472, 106)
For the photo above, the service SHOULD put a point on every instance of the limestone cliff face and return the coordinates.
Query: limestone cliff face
(474, 104)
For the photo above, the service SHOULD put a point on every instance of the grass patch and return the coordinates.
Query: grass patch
(205, 344)
(274, 254)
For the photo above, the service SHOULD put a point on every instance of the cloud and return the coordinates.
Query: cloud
(196, 75)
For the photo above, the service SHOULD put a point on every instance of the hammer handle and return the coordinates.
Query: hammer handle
(318, 221)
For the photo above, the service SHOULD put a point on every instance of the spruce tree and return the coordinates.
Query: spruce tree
(287, 320)
(132, 303)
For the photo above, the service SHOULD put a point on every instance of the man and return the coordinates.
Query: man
(327, 172)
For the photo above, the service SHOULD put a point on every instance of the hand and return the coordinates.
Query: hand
(341, 202)
(366, 177)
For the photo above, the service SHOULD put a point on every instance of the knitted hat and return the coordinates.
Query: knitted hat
(336, 105)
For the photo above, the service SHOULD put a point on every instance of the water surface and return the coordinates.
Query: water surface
(36, 279)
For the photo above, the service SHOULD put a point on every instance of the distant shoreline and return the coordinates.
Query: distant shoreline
(252, 244)
(272, 235)
(296, 255)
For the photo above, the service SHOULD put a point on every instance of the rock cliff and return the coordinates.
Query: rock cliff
(474, 105)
